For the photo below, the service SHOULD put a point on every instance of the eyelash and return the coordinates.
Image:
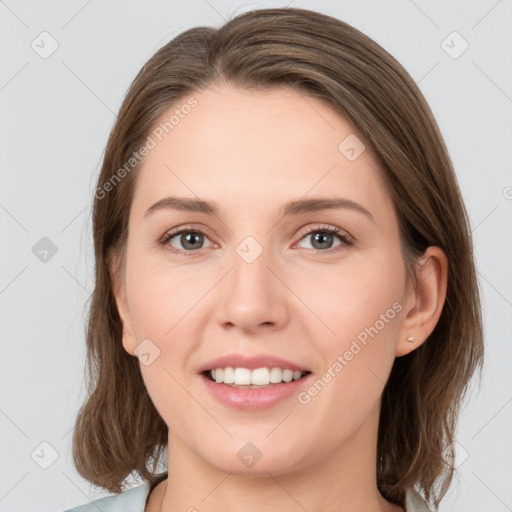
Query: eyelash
(342, 235)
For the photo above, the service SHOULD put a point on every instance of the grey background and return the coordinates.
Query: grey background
(56, 114)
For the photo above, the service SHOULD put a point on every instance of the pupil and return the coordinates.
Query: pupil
(322, 239)
(319, 236)
(187, 238)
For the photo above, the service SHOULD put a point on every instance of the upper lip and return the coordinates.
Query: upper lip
(251, 362)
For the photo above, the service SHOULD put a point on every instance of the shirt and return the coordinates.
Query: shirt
(134, 500)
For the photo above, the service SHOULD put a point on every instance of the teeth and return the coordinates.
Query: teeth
(260, 376)
(229, 376)
(257, 377)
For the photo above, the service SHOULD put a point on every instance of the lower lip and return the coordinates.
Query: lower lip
(254, 399)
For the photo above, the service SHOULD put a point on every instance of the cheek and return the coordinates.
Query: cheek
(359, 310)
(167, 307)
(358, 299)
(162, 297)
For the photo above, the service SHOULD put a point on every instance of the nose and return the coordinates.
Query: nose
(253, 296)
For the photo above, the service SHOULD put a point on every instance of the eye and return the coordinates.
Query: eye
(190, 239)
(322, 238)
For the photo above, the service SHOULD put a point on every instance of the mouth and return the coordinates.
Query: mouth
(259, 378)
(257, 389)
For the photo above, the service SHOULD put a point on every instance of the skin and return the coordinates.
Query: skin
(251, 152)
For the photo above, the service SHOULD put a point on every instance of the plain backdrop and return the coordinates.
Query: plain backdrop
(56, 113)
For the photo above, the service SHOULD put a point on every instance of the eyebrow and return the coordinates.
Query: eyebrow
(296, 207)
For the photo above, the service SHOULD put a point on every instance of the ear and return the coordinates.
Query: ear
(116, 269)
(424, 302)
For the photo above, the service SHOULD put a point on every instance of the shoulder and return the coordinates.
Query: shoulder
(414, 502)
(132, 500)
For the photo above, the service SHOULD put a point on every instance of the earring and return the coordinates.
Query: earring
(410, 339)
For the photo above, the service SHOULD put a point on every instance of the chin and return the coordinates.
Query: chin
(253, 459)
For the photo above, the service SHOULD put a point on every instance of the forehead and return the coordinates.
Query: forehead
(256, 147)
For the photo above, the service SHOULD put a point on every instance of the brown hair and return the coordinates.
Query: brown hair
(118, 429)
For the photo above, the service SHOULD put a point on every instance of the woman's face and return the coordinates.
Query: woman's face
(262, 277)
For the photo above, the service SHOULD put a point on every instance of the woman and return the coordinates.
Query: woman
(286, 297)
